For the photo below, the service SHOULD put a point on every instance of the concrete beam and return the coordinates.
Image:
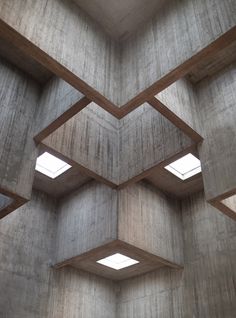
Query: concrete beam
(59, 101)
(88, 59)
(178, 104)
(113, 74)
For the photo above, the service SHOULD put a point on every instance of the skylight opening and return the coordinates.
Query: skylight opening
(230, 202)
(50, 165)
(185, 167)
(117, 261)
(4, 201)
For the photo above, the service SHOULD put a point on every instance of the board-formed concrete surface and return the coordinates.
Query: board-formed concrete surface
(205, 288)
(138, 221)
(29, 285)
(32, 288)
(118, 105)
(112, 74)
(18, 102)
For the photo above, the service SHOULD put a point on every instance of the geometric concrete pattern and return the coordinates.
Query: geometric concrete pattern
(119, 91)
(137, 221)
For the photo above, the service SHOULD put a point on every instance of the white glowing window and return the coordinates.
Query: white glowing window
(117, 261)
(185, 167)
(50, 165)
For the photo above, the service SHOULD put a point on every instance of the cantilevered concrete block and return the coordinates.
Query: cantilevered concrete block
(28, 113)
(216, 100)
(119, 151)
(90, 139)
(146, 140)
(207, 111)
(138, 222)
(18, 100)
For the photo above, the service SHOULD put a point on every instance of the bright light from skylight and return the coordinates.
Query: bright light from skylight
(185, 167)
(117, 261)
(50, 165)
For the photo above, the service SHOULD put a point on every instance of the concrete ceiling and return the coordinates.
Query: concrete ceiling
(120, 17)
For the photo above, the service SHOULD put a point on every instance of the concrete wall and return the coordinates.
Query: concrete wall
(19, 97)
(205, 288)
(210, 260)
(156, 294)
(217, 101)
(75, 293)
(103, 70)
(26, 253)
(155, 53)
(30, 288)
(29, 237)
(152, 221)
(86, 219)
(59, 28)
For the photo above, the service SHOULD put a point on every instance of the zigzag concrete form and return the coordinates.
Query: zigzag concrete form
(121, 92)
(120, 142)
(69, 101)
(135, 70)
(119, 150)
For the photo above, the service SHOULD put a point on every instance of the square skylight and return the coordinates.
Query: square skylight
(4, 201)
(185, 167)
(50, 165)
(117, 261)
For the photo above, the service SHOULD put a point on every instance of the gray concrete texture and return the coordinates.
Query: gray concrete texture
(31, 288)
(112, 74)
(205, 288)
(139, 215)
(118, 150)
